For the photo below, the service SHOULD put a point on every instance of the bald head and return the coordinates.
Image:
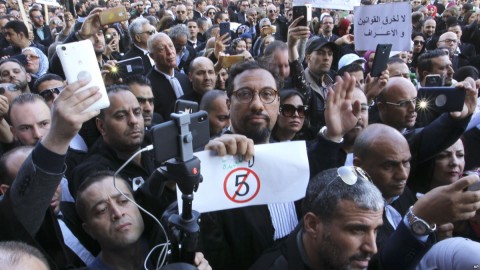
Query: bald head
(396, 103)
(373, 135)
(384, 154)
(202, 75)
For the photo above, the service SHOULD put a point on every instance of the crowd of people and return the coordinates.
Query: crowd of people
(392, 185)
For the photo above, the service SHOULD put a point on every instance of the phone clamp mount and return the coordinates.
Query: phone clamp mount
(185, 171)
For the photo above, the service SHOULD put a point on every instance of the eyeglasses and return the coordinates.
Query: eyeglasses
(272, 11)
(31, 56)
(37, 17)
(418, 42)
(151, 32)
(48, 94)
(448, 40)
(181, 11)
(211, 13)
(142, 100)
(289, 110)
(403, 103)
(267, 95)
(351, 174)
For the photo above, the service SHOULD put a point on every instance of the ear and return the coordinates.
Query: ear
(3, 189)
(100, 126)
(424, 74)
(312, 225)
(87, 229)
(307, 58)
(137, 38)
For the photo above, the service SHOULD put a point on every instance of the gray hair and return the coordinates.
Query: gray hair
(13, 252)
(209, 97)
(177, 31)
(327, 189)
(152, 39)
(136, 27)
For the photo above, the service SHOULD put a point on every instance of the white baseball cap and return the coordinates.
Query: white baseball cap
(350, 58)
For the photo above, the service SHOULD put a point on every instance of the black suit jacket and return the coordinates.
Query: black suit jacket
(163, 91)
(134, 52)
(47, 37)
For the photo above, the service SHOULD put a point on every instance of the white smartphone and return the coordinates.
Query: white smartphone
(79, 61)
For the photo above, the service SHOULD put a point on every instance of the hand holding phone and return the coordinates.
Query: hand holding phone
(226, 61)
(382, 54)
(442, 99)
(113, 15)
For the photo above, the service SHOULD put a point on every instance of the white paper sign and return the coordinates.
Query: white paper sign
(332, 4)
(383, 24)
(48, 2)
(279, 172)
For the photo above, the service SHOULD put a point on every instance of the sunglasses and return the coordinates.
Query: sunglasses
(418, 42)
(288, 110)
(211, 13)
(351, 174)
(272, 11)
(48, 94)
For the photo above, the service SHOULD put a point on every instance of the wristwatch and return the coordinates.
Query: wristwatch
(419, 226)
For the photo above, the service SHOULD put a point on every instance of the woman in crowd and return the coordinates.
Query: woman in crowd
(418, 48)
(112, 42)
(37, 61)
(291, 118)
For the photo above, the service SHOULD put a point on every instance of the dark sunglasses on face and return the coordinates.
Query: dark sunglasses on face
(418, 42)
(48, 94)
(288, 110)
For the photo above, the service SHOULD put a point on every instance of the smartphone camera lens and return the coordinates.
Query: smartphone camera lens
(64, 48)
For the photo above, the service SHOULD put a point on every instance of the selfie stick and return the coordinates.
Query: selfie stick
(185, 171)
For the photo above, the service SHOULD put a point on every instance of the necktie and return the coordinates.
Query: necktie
(177, 88)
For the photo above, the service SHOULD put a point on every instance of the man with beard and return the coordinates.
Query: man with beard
(203, 78)
(332, 211)
(235, 238)
(12, 71)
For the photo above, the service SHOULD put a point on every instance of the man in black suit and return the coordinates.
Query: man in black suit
(167, 83)
(140, 30)
(242, 12)
(16, 33)
(41, 32)
(179, 35)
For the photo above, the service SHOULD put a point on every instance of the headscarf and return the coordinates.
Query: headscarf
(343, 26)
(434, 14)
(43, 63)
(366, 56)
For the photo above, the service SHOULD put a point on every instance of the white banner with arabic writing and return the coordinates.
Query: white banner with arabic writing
(383, 24)
(333, 4)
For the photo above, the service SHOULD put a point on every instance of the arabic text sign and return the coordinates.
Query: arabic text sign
(333, 4)
(383, 24)
(278, 173)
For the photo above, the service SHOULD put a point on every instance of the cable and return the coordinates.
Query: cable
(163, 253)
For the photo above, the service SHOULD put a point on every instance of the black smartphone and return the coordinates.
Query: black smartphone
(382, 54)
(441, 99)
(299, 11)
(186, 106)
(129, 67)
(224, 28)
(165, 136)
(433, 80)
